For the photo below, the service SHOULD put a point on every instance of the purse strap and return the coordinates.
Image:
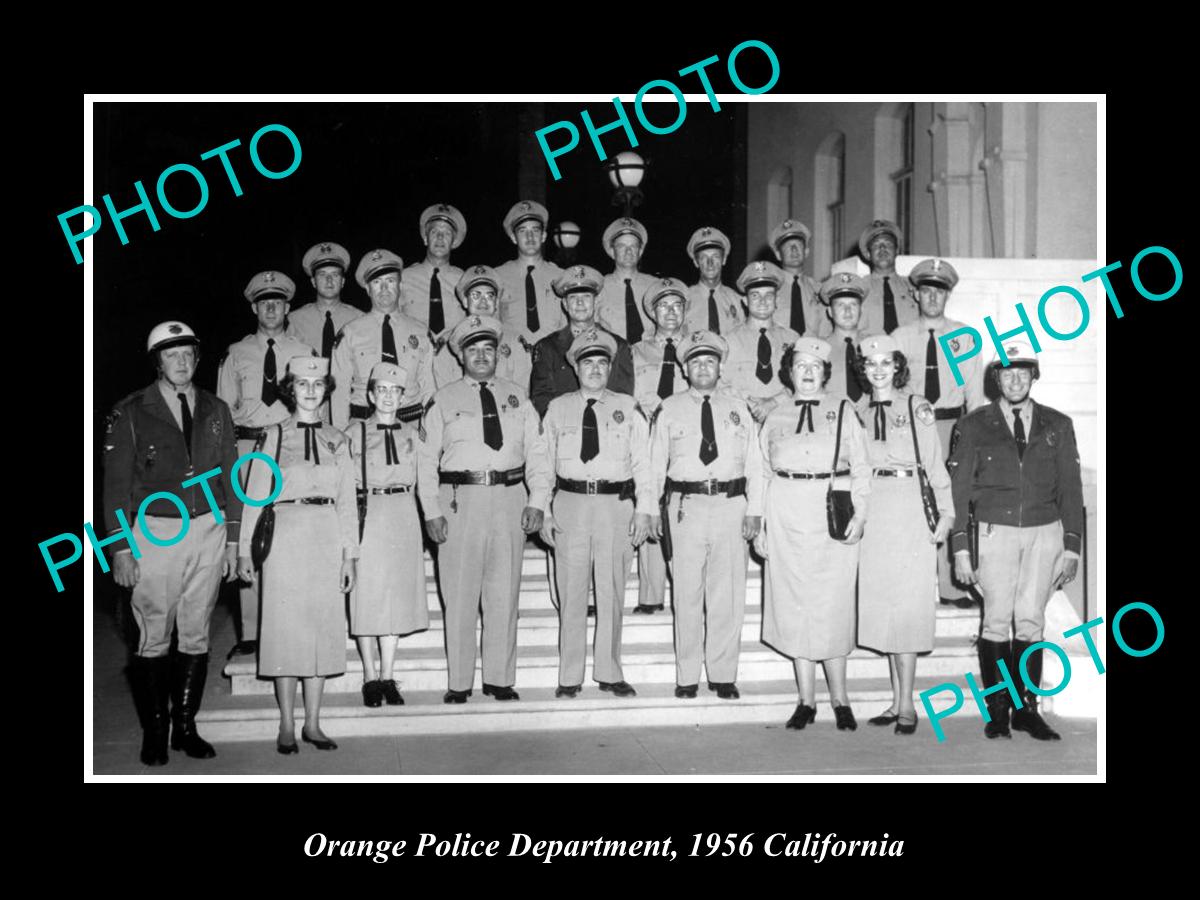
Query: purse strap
(278, 445)
(912, 422)
(837, 445)
(365, 490)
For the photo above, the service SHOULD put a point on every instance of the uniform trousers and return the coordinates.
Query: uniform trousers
(177, 585)
(481, 560)
(593, 541)
(945, 556)
(708, 571)
(1017, 571)
(249, 594)
(652, 574)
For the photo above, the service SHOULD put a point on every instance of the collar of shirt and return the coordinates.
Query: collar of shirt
(1006, 410)
(838, 337)
(169, 393)
(660, 340)
(395, 314)
(261, 339)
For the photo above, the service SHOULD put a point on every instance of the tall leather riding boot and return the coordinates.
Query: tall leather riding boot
(999, 703)
(1027, 718)
(151, 677)
(188, 673)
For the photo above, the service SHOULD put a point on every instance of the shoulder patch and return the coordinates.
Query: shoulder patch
(925, 414)
(110, 422)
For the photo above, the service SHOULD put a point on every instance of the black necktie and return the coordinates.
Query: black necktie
(714, 321)
(708, 433)
(762, 370)
(532, 323)
(666, 375)
(590, 448)
(390, 455)
(389, 342)
(633, 321)
(493, 435)
(437, 317)
(327, 335)
(933, 388)
(1019, 433)
(797, 322)
(269, 392)
(880, 418)
(310, 441)
(853, 388)
(806, 408)
(187, 423)
(889, 306)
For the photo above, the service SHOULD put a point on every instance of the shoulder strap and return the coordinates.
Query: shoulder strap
(837, 446)
(363, 423)
(912, 422)
(278, 445)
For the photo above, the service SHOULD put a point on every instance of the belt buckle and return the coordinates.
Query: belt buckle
(590, 485)
(711, 486)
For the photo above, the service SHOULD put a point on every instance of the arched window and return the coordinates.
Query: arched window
(895, 153)
(779, 197)
(830, 196)
(902, 178)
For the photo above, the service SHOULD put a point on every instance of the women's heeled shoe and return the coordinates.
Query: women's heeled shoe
(845, 718)
(886, 718)
(318, 742)
(802, 716)
(903, 727)
(286, 749)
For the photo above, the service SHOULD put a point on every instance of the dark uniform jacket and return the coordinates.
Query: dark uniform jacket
(553, 376)
(144, 453)
(1042, 487)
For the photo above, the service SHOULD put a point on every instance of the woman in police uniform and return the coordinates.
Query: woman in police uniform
(390, 598)
(312, 557)
(809, 609)
(897, 575)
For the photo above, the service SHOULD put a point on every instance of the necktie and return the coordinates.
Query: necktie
(389, 342)
(437, 317)
(269, 392)
(390, 455)
(590, 448)
(889, 306)
(633, 321)
(493, 435)
(880, 418)
(666, 375)
(714, 321)
(532, 323)
(187, 422)
(327, 336)
(797, 323)
(762, 371)
(806, 408)
(708, 433)
(1019, 433)
(310, 430)
(853, 388)
(933, 389)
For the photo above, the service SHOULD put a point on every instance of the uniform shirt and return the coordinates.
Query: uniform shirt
(511, 276)
(379, 474)
(838, 384)
(896, 448)
(647, 356)
(414, 292)
(872, 304)
(359, 347)
(738, 372)
(816, 313)
(624, 438)
(514, 359)
(729, 309)
(610, 303)
(307, 324)
(240, 378)
(553, 376)
(174, 404)
(451, 440)
(675, 444)
(144, 453)
(913, 339)
(1042, 487)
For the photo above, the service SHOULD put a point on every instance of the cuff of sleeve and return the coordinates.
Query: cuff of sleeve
(1071, 554)
(1072, 543)
(433, 510)
(958, 542)
(539, 500)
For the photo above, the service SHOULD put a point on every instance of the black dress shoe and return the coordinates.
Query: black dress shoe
(646, 609)
(372, 693)
(1030, 721)
(243, 648)
(726, 690)
(884, 718)
(802, 716)
(286, 749)
(567, 690)
(620, 688)
(845, 718)
(998, 726)
(390, 692)
(317, 742)
(500, 693)
(903, 727)
(686, 691)
(455, 696)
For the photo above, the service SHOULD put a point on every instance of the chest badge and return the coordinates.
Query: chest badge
(954, 344)
(831, 416)
(735, 418)
(513, 401)
(506, 350)
(413, 342)
(618, 416)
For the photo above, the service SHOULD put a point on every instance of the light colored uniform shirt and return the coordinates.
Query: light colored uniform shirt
(816, 313)
(171, 395)
(360, 346)
(838, 386)
(610, 303)
(739, 373)
(514, 359)
(647, 368)
(872, 305)
(414, 292)
(511, 276)
(913, 339)
(307, 324)
(379, 474)
(729, 308)
(240, 377)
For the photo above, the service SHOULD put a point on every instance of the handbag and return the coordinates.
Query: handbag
(264, 528)
(839, 507)
(928, 500)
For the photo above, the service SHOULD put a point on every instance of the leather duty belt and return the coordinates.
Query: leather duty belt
(405, 414)
(489, 478)
(248, 432)
(803, 476)
(572, 486)
(894, 473)
(308, 501)
(394, 489)
(735, 487)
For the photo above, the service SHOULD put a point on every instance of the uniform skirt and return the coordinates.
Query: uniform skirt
(390, 596)
(809, 601)
(897, 576)
(303, 611)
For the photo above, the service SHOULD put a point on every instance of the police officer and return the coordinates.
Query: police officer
(248, 380)
(704, 454)
(317, 324)
(931, 378)
(843, 293)
(799, 304)
(166, 438)
(528, 303)
(657, 374)
(427, 286)
(476, 436)
(711, 304)
(617, 307)
(479, 293)
(383, 335)
(889, 302)
(756, 347)
(597, 443)
(552, 375)
(1015, 461)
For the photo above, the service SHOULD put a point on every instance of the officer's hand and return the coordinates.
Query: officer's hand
(245, 569)
(760, 409)
(230, 571)
(639, 529)
(750, 527)
(760, 543)
(437, 529)
(349, 575)
(1070, 570)
(942, 531)
(854, 531)
(656, 527)
(548, 529)
(531, 520)
(963, 570)
(126, 571)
